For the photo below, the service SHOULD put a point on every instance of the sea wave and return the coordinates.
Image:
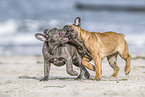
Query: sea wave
(8, 27)
(14, 32)
(23, 19)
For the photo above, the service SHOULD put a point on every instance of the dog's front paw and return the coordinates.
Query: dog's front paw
(45, 78)
(79, 77)
(73, 73)
(96, 78)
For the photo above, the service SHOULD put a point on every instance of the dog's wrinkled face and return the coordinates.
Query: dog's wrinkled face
(71, 31)
(51, 36)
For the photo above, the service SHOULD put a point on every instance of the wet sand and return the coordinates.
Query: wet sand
(20, 75)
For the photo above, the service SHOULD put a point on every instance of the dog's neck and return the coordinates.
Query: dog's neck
(83, 34)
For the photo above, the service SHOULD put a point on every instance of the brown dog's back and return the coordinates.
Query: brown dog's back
(100, 45)
(107, 42)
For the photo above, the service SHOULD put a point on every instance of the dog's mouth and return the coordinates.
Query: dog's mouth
(68, 31)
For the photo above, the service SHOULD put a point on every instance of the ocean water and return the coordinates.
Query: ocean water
(20, 20)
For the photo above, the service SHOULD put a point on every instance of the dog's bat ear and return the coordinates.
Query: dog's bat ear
(40, 36)
(77, 22)
(46, 31)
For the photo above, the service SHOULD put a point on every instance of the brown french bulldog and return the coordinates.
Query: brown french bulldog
(100, 45)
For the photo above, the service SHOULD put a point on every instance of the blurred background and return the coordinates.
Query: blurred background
(21, 19)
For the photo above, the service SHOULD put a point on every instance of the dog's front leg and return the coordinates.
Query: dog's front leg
(47, 66)
(87, 64)
(97, 61)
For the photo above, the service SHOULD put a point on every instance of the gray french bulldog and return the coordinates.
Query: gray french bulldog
(63, 54)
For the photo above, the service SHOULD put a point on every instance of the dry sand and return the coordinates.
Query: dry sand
(20, 75)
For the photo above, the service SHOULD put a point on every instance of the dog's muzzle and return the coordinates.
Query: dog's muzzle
(67, 28)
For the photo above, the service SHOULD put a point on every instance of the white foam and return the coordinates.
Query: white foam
(138, 40)
(8, 27)
(31, 25)
(19, 39)
(53, 22)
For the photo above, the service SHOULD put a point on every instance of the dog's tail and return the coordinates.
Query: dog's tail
(122, 34)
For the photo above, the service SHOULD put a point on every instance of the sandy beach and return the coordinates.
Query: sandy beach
(20, 75)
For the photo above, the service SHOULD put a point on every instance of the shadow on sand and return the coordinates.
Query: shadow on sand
(50, 78)
(104, 78)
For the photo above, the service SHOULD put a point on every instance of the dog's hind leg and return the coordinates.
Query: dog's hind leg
(127, 67)
(125, 55)
(127, 58)
(112, 59)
